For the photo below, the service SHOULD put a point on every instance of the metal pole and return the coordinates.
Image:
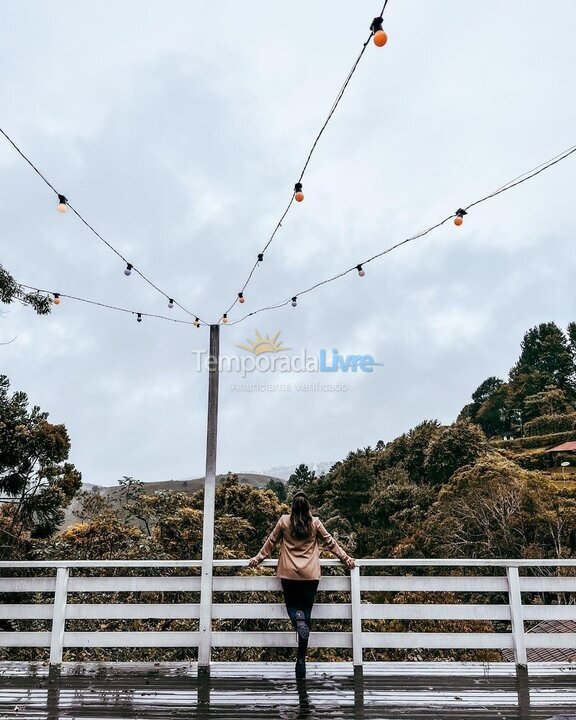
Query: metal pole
(205, 627)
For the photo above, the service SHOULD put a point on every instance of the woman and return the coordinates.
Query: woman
(299, 566)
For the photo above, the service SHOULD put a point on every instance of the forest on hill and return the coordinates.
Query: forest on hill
(459, 490)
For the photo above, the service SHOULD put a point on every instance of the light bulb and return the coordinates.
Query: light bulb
(294, 301)
(459, 219)
(196, 322)
(128, 270)
(56, 300)
(225, 318)
(379, 36)
(62, 203)
(170, 303)
(139, 317)
(298, 194)
(241, 298)
(361, 272)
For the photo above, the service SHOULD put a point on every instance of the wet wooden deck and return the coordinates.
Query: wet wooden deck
(268, 690)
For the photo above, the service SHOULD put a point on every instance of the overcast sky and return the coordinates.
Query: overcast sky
(179, 128)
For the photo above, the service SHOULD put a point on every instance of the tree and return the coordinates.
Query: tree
(278, 488)
(546, 355)
(409, 451)
(300, 479)
(550, 401)
(456, 446)
(11, 291)
(35, 478)
(493, 508)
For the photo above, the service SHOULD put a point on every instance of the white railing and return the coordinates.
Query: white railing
(67, 578)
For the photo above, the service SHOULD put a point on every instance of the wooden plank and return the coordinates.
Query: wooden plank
(356, 617)
(437, 640)
(368, 562)
(134, 584)
(259, 583)
(448, 583)
(551, 640)
(280, 639)
(130, 639)
(549, 612)
(451, 611)
(516, 616)
(24, 584)
(133, 611)
(26, 612)
(59, 618)
(277, 611)
(548, 584)
(24, 639)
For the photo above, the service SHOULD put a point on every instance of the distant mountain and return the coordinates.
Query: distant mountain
(283, 472)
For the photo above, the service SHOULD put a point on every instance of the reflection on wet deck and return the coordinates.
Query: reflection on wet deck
(137, 692)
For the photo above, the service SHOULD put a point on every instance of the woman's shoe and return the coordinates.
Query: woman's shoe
(300, 668)
(301, 627)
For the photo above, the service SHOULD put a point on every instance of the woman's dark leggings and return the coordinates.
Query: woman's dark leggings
(299, 595)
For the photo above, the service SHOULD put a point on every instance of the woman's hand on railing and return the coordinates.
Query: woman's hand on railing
(350, 562)
(253, 562)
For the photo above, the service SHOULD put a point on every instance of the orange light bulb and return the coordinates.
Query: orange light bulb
(380, 38)
(56, 300)
(458, 220)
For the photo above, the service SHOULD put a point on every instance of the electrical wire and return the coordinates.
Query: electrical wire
(111, 307)
(504, 188)
(306, 163)
(92, 229)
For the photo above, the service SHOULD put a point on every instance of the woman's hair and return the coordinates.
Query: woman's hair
(300, 517)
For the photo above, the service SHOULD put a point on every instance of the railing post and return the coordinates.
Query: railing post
(355, 603)
(517, 618)
(59, 616)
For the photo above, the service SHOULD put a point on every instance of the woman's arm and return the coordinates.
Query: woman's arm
(272, 539)
(333, 546)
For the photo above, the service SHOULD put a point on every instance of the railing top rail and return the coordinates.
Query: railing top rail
(360, 562)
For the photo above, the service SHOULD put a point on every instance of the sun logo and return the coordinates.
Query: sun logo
(264, 344)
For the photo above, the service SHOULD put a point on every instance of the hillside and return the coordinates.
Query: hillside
(115, 494)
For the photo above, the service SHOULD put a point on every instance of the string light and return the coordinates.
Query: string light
(170, 303)
(459, 214)
(379, 36)
(56, 300)
(139, 317)
(294, 301)
(459, 219)
(41, 291)
(62, 203)
(241, 298)
(297, 194)
(128, 270)
(225, 318)
(62, 206)
(361, 271)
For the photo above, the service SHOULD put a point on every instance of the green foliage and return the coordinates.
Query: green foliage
(549, 424)
(456, 446)
(278, 488)
(34, 476)
(301, 479)
(537, 441)
(10, 291)
(410, 450)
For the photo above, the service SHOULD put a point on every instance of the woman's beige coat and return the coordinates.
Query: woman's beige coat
(300, 559)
